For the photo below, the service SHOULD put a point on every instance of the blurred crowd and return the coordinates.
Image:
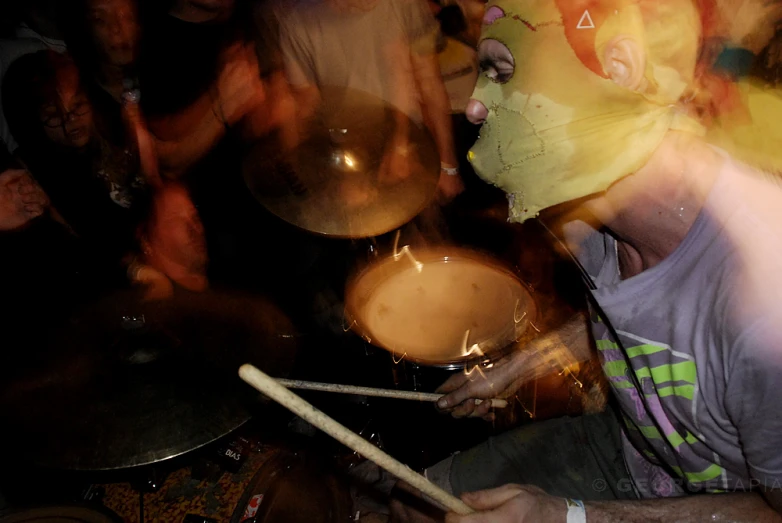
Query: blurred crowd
(124, 124)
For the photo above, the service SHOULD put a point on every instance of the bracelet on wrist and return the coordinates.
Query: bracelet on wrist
(576, 512)
(450, 171)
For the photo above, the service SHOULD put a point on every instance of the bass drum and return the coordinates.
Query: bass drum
(60, 514)
(272, 486)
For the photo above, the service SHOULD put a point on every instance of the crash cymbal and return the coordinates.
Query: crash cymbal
(361, 169)
(127, 383)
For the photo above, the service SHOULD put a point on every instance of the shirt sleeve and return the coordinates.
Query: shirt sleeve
(752, 399)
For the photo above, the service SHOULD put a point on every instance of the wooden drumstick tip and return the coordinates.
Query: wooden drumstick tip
(495, 403)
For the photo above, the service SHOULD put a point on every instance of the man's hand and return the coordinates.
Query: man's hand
(511, 504)
(157, 286)
(562, 348)
(397, 164)
(462, 389)
(449, 187)
(239, 86)
(21, 199)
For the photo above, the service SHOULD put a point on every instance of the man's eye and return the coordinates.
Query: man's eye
(488, 69)
(490, 73)
(503, 74)
(499, 73)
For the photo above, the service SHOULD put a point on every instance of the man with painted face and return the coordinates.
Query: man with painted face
(588, 105)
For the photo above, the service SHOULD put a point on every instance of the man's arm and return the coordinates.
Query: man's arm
(186, 137)
(435, 104)
(524, 504)
(436, 109)
(562, 348)
(716, 507)
(178, 151)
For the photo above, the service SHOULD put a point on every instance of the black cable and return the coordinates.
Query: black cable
(141, 506)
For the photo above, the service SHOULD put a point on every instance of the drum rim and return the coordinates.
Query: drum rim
(355, 322)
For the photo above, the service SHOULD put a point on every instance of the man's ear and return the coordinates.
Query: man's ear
(624, 61)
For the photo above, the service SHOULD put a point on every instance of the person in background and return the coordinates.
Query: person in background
(458, 60)
(104, 37)
(473, 11)
(172, 244)
(200, 77)
(37, 30)
(740, 31)
(387, 49)
(47, 270)
(92, 184)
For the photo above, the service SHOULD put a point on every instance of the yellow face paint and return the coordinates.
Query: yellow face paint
(557, 131)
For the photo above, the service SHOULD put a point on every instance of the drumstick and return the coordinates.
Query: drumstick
(381, 393)
(271, 388)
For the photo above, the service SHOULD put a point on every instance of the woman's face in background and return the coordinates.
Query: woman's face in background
(115, 30)
(66, 114)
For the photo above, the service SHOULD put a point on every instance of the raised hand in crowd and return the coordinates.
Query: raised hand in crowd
(21, 199)
(239, 89)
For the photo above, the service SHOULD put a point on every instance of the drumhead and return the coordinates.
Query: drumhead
(440, 307)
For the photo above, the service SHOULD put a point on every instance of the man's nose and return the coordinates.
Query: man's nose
(476, 112)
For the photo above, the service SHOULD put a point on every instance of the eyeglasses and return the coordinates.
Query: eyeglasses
(55, 120)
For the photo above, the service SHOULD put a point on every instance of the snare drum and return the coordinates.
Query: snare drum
(442, 307)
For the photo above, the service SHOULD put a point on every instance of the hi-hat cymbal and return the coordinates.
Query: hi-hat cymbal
(361, 169)
(128, 383)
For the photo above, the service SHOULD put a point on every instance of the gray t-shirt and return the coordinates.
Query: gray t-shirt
(694, 348)
(369, 50)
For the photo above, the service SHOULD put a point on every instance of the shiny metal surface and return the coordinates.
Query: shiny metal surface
(126, 383)
(333, 183)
